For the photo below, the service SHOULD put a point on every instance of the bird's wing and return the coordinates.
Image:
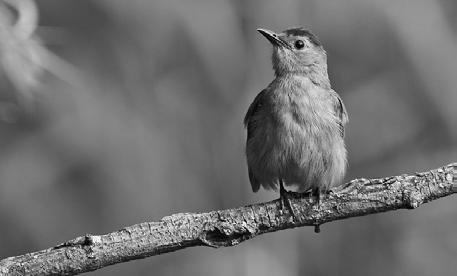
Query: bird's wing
(340, 111)
(250, 124)
(252, 110)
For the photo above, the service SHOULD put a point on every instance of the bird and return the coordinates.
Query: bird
(295, 126)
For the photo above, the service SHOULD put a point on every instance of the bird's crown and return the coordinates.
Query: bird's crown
(302, 32)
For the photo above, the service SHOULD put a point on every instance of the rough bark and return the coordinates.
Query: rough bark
(232, 226)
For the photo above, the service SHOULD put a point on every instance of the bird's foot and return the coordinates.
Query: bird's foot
(308, 193)
(285, 197)
(316, 192)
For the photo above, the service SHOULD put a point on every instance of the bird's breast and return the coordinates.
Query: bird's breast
(300, 104)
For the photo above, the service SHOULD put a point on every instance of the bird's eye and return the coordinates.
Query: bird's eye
(299, 44)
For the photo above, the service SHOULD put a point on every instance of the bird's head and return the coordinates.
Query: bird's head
(296, 50)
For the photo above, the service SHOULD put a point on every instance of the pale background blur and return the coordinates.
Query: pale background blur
(147, 121)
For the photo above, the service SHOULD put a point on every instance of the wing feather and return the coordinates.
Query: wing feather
(252, 110)
(340, 111)
(250, 125)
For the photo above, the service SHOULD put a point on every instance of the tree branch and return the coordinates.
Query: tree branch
(232, 226)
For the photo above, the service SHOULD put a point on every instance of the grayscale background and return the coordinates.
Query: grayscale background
(141, 117)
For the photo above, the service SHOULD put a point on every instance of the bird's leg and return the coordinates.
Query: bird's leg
(309, 192)
(317, 193)
(284, 197)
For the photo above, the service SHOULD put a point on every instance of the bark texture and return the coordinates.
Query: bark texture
(232, 226)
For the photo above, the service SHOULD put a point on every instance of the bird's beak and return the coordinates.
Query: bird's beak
(273, 38)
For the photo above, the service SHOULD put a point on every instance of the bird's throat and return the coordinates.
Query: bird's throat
(316, 74)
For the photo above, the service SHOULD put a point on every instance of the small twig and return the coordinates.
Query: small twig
(230, 227)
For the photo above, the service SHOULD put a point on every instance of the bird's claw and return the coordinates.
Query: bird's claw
(284, 199)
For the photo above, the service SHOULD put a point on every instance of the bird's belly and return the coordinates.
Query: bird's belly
(302, 154)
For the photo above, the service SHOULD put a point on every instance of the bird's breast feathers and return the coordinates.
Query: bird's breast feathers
(298, 102)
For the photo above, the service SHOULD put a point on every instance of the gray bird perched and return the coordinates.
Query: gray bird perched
(295, 126)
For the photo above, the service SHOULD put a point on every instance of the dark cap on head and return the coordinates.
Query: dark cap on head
(304, 32)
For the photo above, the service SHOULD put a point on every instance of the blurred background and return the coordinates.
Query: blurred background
(118, 112)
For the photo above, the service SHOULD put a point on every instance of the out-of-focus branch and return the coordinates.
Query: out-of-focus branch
(23, 57)
(19, 60)
(27, 19)
(232, 226)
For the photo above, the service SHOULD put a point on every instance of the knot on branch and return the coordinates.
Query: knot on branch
(412, 199)
(218, 237)
(223, 231)
(86, 240)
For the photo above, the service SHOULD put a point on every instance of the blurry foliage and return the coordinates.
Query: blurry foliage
(20, 59)
(150, 124)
